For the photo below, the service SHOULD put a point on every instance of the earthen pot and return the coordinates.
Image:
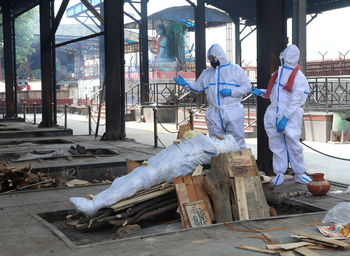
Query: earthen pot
(318, 186)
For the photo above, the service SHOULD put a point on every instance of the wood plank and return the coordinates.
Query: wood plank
(276, 241)
(241, 199)
(253, 199)
(322, 239)
(271, 238)
(286, 253)
(255, 166)
(306, 252)
(197, 213)
(246, 152)
(256, 249)
(178, 180)
(287, 246)
(138, 199)
(202, 195)
(262, 210)
(198, 171)
(182, 197)
(241, 160)
(191, 191)
(233, 197)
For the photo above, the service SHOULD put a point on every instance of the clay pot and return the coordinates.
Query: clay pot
(318, 186)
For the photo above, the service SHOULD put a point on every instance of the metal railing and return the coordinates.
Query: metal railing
(132, 97)
(329, 93)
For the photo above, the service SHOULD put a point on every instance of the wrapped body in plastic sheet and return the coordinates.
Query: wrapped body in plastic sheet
(176, 160)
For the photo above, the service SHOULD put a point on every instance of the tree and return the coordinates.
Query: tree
(25, 27)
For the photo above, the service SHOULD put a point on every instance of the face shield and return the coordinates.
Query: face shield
(214, 62)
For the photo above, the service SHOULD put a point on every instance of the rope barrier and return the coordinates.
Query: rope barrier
(164, 127)
(161, 142)
(61, 116)
(93, 119)
(335, 157)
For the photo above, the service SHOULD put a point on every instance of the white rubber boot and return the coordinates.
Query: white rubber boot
(278, 180)
(303, 179)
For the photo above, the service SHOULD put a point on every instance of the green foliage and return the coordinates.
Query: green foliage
(25, 27)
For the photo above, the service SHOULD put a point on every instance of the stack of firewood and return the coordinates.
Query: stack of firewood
(146, 205)
(18, 178)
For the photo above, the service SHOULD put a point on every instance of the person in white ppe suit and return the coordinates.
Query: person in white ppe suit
(224, 84)
(287, 90)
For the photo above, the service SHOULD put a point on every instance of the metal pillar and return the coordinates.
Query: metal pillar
(114, 69)
(238, 46)
(271, 40)
(199, 12)
(299, 30)
(144, 77)
(48, 67)
(8, 33)
(101, 51)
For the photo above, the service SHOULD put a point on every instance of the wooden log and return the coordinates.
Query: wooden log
(217, 185)
(157, 212)
(141, 198)
(138, 216)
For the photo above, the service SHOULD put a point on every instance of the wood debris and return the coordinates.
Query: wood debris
(19, 178)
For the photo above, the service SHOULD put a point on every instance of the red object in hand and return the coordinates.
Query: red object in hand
(318, 186)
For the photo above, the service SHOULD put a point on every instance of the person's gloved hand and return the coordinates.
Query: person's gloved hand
(225, 92)
(257, 92)
(282, 124)
(180, 81)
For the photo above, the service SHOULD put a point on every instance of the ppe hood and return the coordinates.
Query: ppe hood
(219, 53)
(290, 55)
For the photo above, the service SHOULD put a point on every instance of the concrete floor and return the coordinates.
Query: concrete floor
(23, 232)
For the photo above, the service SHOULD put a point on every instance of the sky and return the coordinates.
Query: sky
(328, 32)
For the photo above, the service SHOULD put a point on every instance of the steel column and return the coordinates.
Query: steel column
(238, 45)
(199, 12)
(299, 30)
(114, 69)
(10, 85)
(48, 67)
(271, 40)
(144, 77)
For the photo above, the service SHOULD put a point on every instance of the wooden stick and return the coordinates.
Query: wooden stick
(256, 249)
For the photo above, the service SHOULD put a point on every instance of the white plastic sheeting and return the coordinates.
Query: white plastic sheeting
(176, 160)
(340, 213)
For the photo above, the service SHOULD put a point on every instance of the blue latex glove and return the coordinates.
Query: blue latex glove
(282, 124)
(225, 92)
(257, 92)
(180, 81)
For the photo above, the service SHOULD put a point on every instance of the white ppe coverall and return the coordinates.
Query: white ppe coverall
(224, 115)
(285, 145)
